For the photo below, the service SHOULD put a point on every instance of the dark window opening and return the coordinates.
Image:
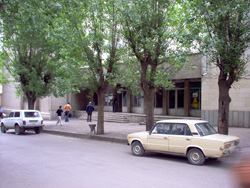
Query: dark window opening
(159, 99)
(180, 102)
(172, 99)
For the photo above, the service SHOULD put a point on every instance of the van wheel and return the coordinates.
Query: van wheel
(137, 149)
(195, 156)
(3, 129)
(37, 130)
(17, 130)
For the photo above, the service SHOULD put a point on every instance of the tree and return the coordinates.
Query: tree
(153, 33)
(95, 34)
(31, 46)
(224, 38)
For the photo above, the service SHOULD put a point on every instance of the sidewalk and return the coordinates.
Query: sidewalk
(117, 132)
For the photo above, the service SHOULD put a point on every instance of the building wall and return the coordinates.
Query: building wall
(239, 115)
(191, 69)
(9, 98)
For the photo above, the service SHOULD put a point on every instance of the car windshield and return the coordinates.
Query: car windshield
(205, 129)
(31, 114)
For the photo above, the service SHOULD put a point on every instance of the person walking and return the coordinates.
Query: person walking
(114, 101)
(1, 112)
(59, 115)
(90, 108)
(67, 108)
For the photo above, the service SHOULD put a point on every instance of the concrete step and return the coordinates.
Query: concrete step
(110, 117)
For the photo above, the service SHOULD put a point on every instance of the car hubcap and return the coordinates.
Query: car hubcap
(195, 157)
(137, 149)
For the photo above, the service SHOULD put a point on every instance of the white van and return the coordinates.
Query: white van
(22, 120)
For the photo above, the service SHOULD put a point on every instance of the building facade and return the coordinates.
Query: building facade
(195, 95)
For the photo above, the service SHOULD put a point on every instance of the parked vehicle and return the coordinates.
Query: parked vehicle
(196, 139)
(21, 120)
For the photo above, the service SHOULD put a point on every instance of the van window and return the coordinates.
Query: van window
(31, 114)
(17, 114)
(11, 114)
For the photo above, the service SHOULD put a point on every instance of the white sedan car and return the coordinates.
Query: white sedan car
(196, 139)
(21, 120)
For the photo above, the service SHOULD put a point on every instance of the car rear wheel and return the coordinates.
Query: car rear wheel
(195, 156)
(3, 129)
(137, 149)
(37, 130)
(17, 130)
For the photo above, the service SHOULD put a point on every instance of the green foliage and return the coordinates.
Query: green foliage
(3, 78)
(94, 39)
(224, 30)
(32, 44)
(154, 31)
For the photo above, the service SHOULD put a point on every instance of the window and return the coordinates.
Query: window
(108, 98)
(179, 85)
(137, 100)
(124, 98)
(17, 114)
(180, 99)
(195, 95)
(161, 128)
(205, 129)
(159, 99)
(31, 114)
(188, 131)
(180, 129)
(172, 99)
(95, 99)
(11, 114)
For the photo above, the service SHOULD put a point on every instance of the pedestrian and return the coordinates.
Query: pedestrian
(59, 115)
(67, 108)
(1, 112)
(114, 101)
(90, 108)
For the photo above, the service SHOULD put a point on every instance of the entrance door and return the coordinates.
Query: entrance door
(119, 102)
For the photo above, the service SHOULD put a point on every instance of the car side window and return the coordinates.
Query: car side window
(17, 114)
(178, 129)
(161, 128)
(188, 131)
(11, 114)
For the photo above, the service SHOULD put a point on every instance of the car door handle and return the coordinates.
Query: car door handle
(188, 139)
(165, 137)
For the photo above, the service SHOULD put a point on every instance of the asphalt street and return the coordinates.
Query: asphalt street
(51, 161)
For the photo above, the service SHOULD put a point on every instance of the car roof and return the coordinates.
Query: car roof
(25, 111)
(188, 121)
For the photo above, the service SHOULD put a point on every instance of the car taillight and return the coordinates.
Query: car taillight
(42, 122)
(227, 145)
(24, 122)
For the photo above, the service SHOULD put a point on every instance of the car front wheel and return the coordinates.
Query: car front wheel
(17, 130)
(195, 156)
(137, 149)
(3, 130)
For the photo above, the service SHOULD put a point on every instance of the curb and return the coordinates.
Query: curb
(85, 136)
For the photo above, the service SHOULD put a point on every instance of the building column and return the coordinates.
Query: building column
(186, 98)
(165, 102)
(129, 101)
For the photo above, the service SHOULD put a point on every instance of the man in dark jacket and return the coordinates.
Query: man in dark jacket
(90, 108)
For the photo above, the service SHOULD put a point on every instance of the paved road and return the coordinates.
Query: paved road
(50, 161)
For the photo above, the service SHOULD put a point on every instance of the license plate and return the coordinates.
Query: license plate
(33, 121)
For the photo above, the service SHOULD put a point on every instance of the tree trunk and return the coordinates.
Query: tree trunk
(100, 121)
(224, 102)
(149, 102)
(31, 103)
